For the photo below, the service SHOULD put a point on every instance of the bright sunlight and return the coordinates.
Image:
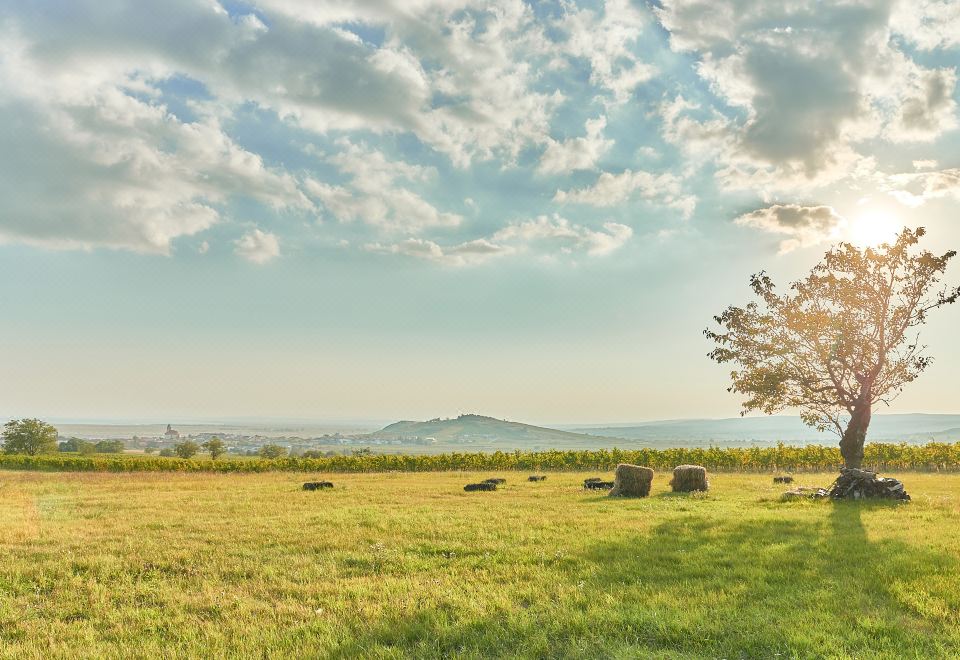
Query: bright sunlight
(873, 227)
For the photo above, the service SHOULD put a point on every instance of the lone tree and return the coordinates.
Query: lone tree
(272, 451)
(29, 436)
(216, 447)
(840, 340)
(186, 449)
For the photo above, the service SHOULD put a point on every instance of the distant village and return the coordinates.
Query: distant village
(243, 444)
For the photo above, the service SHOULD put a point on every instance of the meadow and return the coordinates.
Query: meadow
(407, 565)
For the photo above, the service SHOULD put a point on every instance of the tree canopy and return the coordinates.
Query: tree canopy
(186, 449)
(839, 341)
(216, 447)
(272, 451)
(29, 436)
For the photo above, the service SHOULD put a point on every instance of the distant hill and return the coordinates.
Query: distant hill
(779, 428)
(482, 430)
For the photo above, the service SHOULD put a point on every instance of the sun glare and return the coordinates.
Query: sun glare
(872, 228)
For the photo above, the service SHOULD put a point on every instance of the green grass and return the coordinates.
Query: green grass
(408, 565)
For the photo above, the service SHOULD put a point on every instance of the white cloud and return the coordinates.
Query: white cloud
(930, 24)
(374, 194)
(544, 235)
(579, 153)
(559, 234)
(811, 83)
(804, 226)
(464, 254)
(470, 68)
(257, 246)
(614, 189)
(475, 99)
(605, 39)
(460, 75)
(803, 90)
(87, 164)
(927, 107)
(917, 188)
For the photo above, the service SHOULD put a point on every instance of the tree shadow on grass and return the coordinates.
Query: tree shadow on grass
(802, 583)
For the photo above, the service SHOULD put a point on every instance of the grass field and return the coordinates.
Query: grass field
(408, 565)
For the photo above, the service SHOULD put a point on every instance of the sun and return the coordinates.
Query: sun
(872, 228)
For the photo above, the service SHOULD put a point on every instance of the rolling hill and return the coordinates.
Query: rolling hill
(482, 433)
(485, 431)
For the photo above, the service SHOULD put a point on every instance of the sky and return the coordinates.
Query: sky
(416, 208)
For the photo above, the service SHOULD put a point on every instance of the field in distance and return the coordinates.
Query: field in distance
(408, 565)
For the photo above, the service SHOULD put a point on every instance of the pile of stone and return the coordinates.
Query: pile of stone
(857, 484)
(631, 481)
(689, 478)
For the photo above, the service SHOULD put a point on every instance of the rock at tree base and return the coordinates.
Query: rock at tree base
(481, 487)
(688, 478)
(806, 492)
(317, 485)
(857, 484)
(631, 481)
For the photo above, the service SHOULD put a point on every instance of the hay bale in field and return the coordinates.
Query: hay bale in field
(783, 479)
(317, 485)
(631, 481)
(536, 477)
(496, 480)
(596, 483)
(484, 486)
(688, 478)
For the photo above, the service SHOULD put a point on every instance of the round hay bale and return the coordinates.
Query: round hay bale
(631, 481)
(688, 478)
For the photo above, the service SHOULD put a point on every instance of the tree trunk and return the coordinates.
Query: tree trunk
(851, 444)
